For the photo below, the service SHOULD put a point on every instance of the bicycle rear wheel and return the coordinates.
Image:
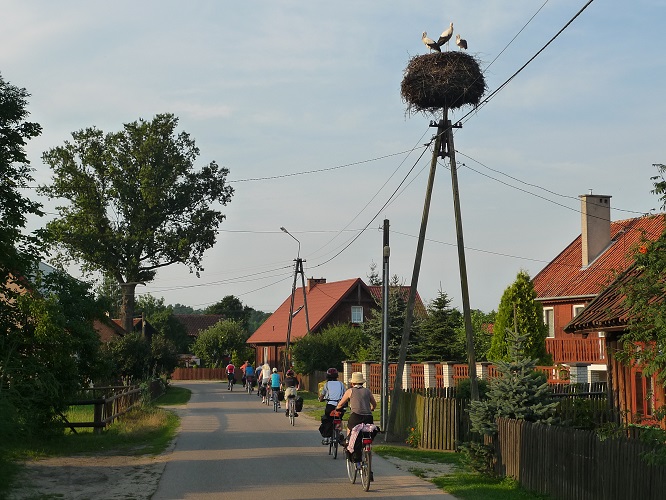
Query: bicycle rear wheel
(351, 471)
(276, 402)
(292, 411)
(334, 443)
(366, 469)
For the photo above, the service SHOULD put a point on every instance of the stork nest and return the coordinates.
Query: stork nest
(434, 81)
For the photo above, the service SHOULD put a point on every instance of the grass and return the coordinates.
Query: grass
(146, 430)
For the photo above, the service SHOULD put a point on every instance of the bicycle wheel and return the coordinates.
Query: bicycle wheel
(351, 471)
(366, 469)
(334, 443)
(292, 411)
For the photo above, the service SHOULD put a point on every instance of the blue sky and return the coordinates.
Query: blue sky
(270, 89)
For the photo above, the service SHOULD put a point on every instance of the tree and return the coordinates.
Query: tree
(374, 279)
(437, 333)
(136, 202)
(397, 304)
(230, 307)
(131, 357)
(518, 392)
(328, 349)
(644, 342)
(519, 311)
(482, 324)
(162, 318)
(221, 341)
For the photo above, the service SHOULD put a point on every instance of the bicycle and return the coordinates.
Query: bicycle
(291, 409)
(248, 384)
(230, 383)
(364, 467)
(336, 434)
(276, 400)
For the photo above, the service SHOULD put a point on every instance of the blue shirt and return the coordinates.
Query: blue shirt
(275, 380)
(249, 371)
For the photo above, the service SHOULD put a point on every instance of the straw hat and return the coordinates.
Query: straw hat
(357, 378)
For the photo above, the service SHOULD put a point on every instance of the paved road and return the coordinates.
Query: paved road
(232, 446)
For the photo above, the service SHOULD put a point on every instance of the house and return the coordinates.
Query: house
(196, 323)
(580, 273)
(139, 325)
(635, 395)
(108, 329)
(350, 301)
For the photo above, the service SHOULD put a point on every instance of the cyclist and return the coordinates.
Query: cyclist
(265, 380)
(249, 373)
(275, 384)
(361, 402)
(291, 385)
(231, 370)
(331, 393)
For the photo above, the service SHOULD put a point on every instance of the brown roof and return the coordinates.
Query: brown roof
(195, 323)
(419, 308)
(322, 300)
(565, 276)
(107, 329)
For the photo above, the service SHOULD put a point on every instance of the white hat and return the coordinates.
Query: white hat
(357, 378)
(274, 370)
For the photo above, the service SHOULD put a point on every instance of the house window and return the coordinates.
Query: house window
(643, 395)
(577, 309)
(357, 314)
(549, 320)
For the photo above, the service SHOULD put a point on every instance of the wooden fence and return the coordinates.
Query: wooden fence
(442, 422)
(201, 374)
(110, 402)
(570, 464)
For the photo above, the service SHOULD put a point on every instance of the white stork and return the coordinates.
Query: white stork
(445, 36)
(461, 42)
(430, 43)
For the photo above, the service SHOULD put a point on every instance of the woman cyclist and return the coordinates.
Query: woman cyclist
(332, 393)
(275, 384)
(361, 401)
(291, 385)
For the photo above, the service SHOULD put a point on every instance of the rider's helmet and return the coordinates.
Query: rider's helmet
(290, 373)
(332, 374)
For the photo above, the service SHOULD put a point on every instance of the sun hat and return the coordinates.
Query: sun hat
(357, 378)
(274, 370)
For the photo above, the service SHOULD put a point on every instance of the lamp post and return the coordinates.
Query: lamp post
(298, 268)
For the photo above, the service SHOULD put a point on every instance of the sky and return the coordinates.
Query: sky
(301, 102)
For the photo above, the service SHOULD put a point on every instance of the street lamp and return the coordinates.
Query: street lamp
(283, 229)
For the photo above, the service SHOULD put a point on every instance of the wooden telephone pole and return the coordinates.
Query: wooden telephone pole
(443, 147)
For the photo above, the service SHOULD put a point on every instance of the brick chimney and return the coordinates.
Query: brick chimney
(313, 282)
(595, 225)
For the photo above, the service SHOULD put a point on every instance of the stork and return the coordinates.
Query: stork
(445, 36)
(430, 43)
(461, 42)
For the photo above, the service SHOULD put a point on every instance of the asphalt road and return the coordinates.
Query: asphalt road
(232, 446)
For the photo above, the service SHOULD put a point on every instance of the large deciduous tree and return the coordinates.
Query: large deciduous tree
(519, 312)
(222, 340)
(136, 202)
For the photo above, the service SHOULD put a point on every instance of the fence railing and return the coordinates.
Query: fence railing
(577, 350)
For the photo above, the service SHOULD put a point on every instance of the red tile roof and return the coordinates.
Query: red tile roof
(322, 300)
(565, 276)
(419, 308)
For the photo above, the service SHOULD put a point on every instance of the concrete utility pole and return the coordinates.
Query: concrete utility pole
(386, 252)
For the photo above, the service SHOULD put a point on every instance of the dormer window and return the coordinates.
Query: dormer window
(357, 314)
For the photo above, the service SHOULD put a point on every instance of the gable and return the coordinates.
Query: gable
(195, 323)
(325, 303)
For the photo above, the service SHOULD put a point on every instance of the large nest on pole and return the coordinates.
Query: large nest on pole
(434, 81)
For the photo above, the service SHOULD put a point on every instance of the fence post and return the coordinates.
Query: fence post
(97, 416)
(447, 374)
(346, 372)
(407, 376)
(365, 370)
(429, 374)
(482, 369)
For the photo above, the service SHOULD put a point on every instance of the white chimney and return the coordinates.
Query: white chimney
(595, 225)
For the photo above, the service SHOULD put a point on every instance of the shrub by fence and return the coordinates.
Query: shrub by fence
(571, 464)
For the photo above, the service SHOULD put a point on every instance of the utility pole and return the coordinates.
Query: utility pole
(386, 252)
(298, 268)
(409, 312)
(467, 313)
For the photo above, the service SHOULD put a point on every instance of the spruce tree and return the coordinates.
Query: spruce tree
(518, 310)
